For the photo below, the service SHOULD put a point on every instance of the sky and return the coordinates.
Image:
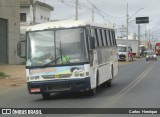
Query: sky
(111, 12)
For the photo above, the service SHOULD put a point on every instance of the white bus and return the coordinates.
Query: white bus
(69, 56)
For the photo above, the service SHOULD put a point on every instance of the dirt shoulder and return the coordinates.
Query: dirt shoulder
(126, 62)
(16, 76)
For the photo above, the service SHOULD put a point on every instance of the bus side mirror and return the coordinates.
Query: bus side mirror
(21, 49)
(92, 42)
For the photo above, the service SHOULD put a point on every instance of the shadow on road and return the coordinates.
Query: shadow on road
(101, 90)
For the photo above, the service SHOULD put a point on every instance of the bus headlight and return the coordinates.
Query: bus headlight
(34, 77)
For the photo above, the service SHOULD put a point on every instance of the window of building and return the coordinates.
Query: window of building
(48, 19)
(23, 17)
(45, 18)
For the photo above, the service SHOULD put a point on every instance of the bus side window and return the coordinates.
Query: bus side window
(104, 38)
(110, 37)
(96, 37)
(107, 37)
(93, 34)
(114, 38)
(99, 37)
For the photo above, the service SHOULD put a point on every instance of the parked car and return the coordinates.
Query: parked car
(151, 56)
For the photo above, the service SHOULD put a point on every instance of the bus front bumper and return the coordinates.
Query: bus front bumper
(59, 85)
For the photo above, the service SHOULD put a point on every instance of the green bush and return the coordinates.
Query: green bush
(2, 75)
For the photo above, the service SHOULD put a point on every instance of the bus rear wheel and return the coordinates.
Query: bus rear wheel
(46, 96)
(92, 92)
(109, 82)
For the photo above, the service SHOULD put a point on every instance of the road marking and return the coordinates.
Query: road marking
(132, 84)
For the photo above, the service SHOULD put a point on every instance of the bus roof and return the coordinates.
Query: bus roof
(64, 24)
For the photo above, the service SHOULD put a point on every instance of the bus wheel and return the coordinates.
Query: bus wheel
(92, 92)
(46, 96)
(109, 82)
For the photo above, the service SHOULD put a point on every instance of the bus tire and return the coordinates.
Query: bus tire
(97, 78)
(92, 92)
(109, 82)
(46, 96)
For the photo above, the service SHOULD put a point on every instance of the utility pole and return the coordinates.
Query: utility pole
(145, 35)
(127, 33)
(149, 38)
(34, 11)
(92, 13)
(76, 9)
(138, 40)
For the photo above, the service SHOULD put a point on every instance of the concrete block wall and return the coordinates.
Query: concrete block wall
(10, 10)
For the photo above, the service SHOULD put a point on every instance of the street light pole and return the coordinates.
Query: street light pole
(138, 40)
(127, 57)
(92, 13)
(34, 11)
(76, 9)
(127, 23)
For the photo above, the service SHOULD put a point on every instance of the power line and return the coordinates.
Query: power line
(81, 4)
(103, 11)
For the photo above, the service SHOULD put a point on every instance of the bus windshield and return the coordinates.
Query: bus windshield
(56, 47)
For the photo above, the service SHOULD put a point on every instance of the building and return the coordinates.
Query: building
(33, 12)
(9, 31)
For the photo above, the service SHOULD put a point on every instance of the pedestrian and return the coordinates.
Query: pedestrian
(131, 55)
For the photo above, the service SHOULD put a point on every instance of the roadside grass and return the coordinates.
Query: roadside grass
(3, 75)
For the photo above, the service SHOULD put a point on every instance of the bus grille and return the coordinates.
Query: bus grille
(56, 76)
(57, 87)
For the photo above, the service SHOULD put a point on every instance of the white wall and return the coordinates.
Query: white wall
(13, 36)
(27, 11)
(41, 11)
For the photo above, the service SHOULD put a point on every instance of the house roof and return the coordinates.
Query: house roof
(30, 2)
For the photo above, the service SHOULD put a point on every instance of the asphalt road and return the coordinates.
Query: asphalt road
(136, 86)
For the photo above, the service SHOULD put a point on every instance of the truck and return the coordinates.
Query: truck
(132, 43)
(122, 52)
(142, 50)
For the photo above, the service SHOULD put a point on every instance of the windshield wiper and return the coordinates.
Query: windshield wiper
(52, 61)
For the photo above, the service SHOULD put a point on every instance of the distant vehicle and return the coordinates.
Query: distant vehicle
(69, 56)
(132, 43)
(157, 48)
(150, 55)
(142, 48)
(122, 52)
